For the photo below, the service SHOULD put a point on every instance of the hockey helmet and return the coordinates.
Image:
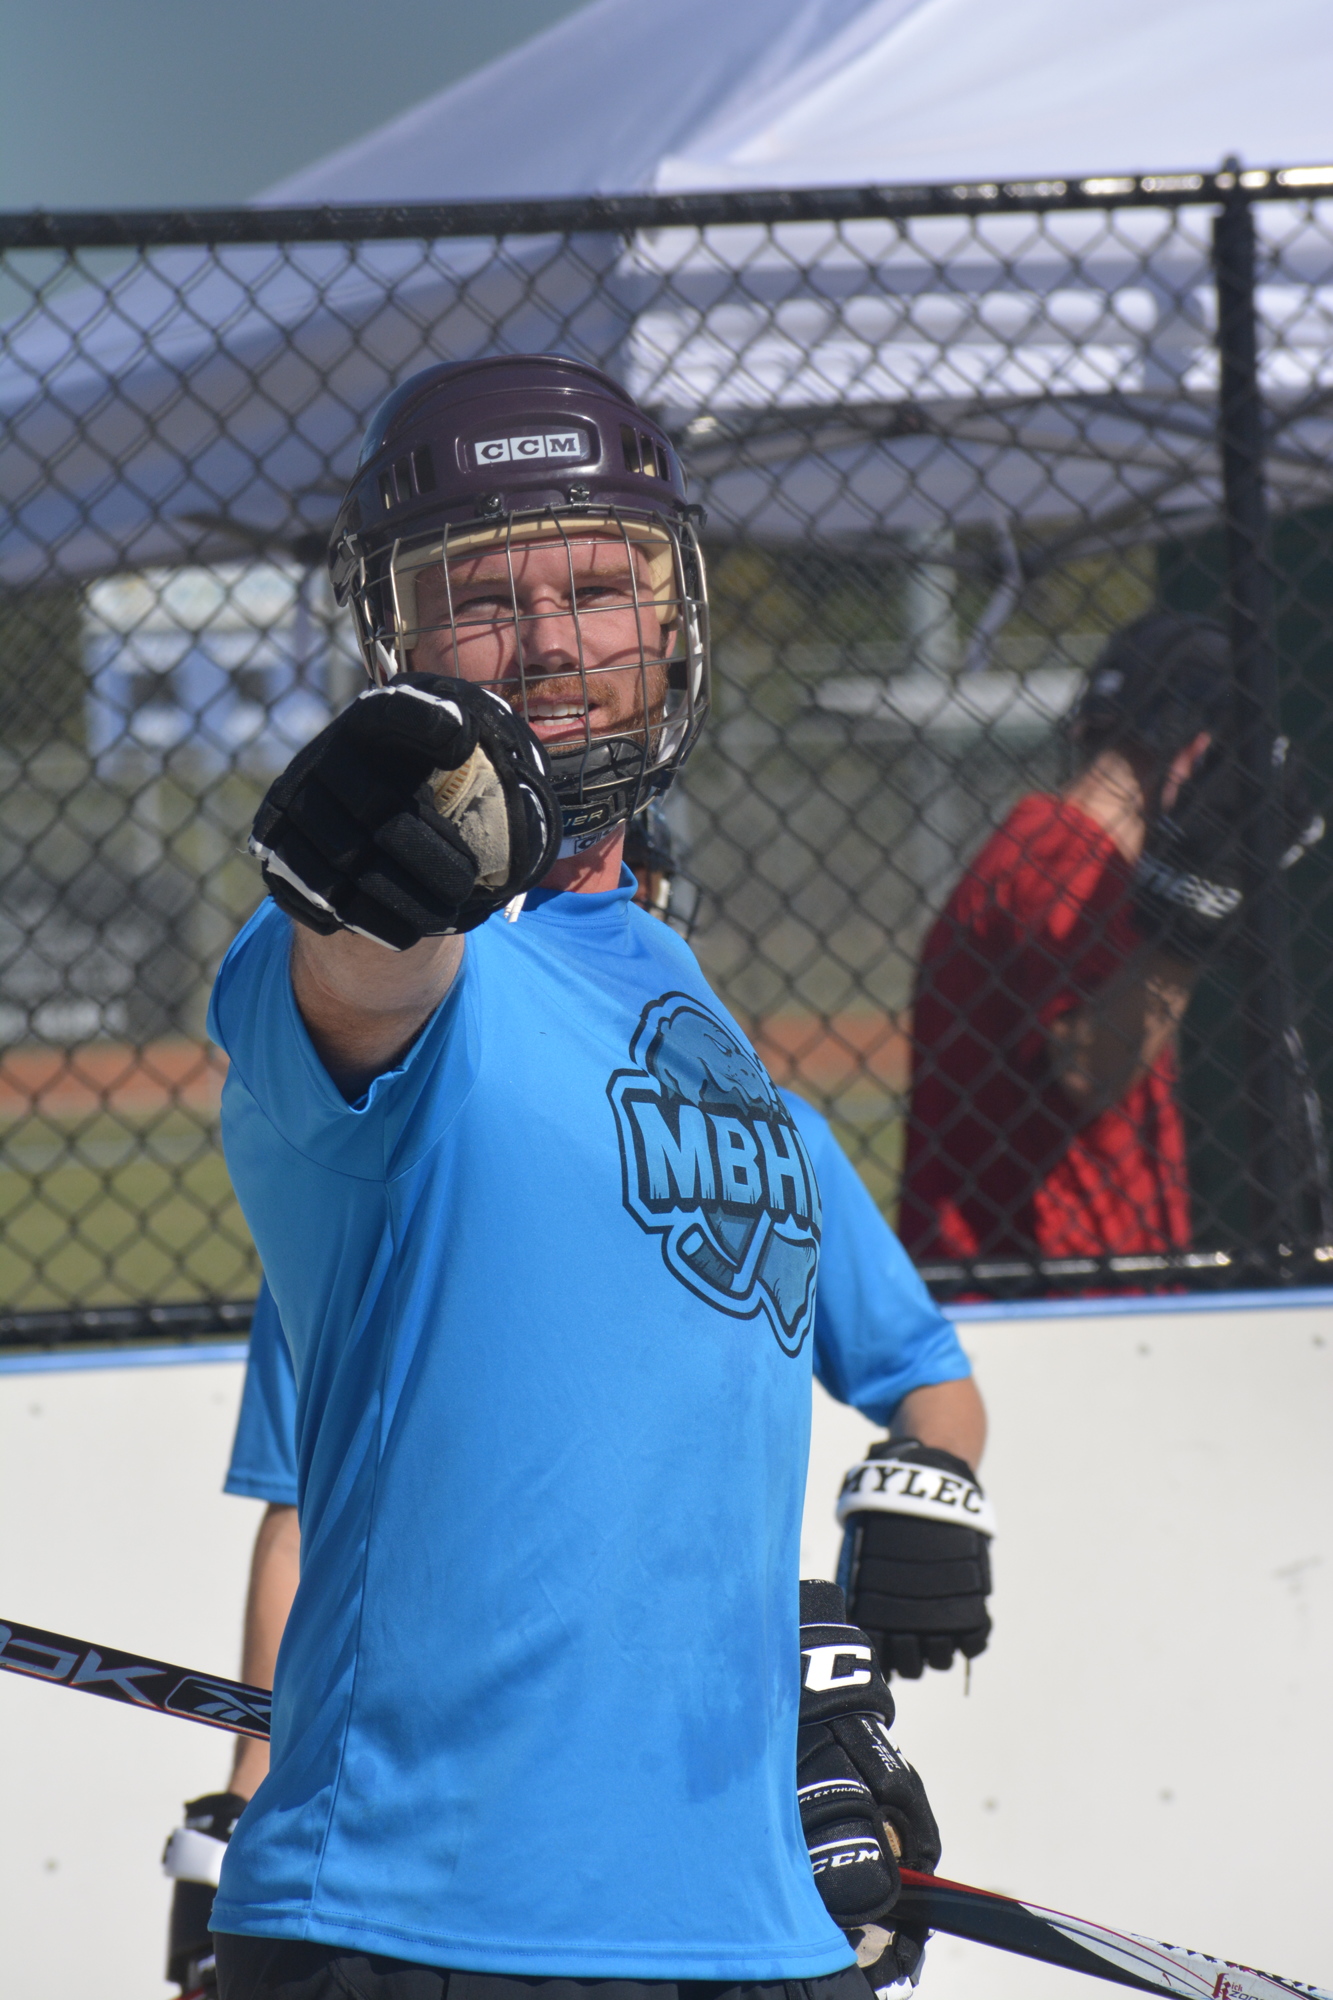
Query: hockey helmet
(472, 467)
(1157, 683)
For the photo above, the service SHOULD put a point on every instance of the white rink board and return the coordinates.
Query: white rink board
(114, 1528)
(1146, 1739)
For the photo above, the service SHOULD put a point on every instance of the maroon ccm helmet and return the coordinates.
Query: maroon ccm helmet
(480, 469)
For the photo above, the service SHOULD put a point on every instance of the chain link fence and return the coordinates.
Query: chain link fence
(948, 441)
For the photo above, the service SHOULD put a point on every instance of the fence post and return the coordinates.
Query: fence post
(1267, 996)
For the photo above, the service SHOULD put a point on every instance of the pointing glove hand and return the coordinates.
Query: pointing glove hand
(419, 812)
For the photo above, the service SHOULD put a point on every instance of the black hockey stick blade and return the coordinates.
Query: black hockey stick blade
(128, 1677)
(1121, 1956)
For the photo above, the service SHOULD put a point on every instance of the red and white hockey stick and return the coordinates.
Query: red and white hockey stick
(1124, 1956)
(1121, 1956)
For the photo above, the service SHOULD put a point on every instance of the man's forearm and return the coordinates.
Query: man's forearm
(363, 1005)
(1102, 1050)
(274, 1570)
(948, 1415)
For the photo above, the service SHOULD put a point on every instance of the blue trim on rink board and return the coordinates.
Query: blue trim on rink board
(1176, 1302)
(122, 1357)
(1012, 1309)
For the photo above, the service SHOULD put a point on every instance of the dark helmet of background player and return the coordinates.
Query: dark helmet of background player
(498, 452)
(1156, 685)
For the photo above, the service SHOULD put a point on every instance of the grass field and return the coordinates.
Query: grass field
(105, 1214)
(113, 1188)
(130, 1219)
(872, 1136)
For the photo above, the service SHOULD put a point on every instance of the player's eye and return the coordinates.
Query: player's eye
(484, 608)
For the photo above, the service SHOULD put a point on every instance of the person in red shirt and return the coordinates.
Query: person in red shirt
(1044, 1119)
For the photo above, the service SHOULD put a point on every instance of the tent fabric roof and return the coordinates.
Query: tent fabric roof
(195, 403)
(622, 98)
(588, 107)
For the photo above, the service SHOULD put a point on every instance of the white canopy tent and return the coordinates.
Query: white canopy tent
(866, 378)
(817, 93)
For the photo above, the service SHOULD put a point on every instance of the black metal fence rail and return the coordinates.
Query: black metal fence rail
(950, 439)
(143, 228)
(119, 1326)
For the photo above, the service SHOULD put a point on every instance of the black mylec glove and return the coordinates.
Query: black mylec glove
(915, 1558)
(193, 1859)
(419, 812)
(1189, 880)
(863, 1808)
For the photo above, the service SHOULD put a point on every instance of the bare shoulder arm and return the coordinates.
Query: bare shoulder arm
(364, 1006)
(1100, 1051)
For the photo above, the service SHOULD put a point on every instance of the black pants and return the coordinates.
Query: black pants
(271, 1969)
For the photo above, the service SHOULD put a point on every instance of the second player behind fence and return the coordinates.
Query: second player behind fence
(1045, 1120)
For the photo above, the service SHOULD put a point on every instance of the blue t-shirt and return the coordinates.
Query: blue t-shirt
(878, 1332)
(548, 1287)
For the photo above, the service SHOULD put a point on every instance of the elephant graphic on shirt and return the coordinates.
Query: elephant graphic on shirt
(715, 1167)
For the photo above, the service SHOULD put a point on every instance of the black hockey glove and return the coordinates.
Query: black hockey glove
(193, 1859)
(916, 1555)
(1189, 882)
(419, 812)
(863, 1808)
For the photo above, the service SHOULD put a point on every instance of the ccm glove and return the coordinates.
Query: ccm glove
(863, 1808)
(1189, 881)
(916, 1555)
(419, 812)
(193, 1859)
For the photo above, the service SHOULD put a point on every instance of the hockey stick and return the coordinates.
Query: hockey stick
(1122, 1956)
(49, 1656)
(926, 1899)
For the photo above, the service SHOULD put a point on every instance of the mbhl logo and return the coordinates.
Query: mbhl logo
(714, 1166)
(531, 445)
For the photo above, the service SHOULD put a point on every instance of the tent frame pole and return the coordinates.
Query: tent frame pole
(1267, 999)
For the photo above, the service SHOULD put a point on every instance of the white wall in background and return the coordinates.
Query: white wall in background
(1147, 1743)
(1149, 1740)
(113, 1527)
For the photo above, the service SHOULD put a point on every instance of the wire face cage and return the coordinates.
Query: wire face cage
(936, 450)
(592, 624)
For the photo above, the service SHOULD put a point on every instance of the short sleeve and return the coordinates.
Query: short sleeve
(263, 1452)
(254, 1018)
(878, 1332)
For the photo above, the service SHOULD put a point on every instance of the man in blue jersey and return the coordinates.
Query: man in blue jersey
(869, 1301)
(543, 1240)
